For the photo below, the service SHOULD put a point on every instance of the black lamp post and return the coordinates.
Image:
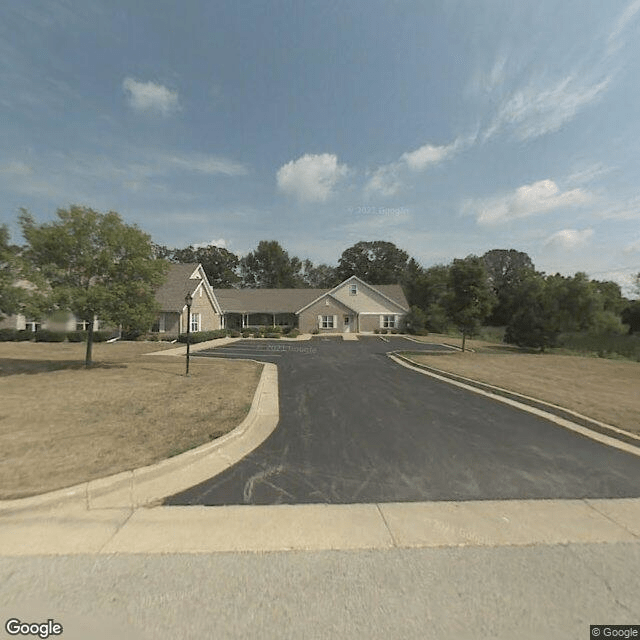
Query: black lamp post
(188, 300)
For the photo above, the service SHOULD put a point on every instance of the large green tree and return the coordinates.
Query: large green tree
(536, 321)
(270, 267)
(470, 296)
(506, 269)
(376, 262)
(95, 266)
(321, 276)
(10, 295)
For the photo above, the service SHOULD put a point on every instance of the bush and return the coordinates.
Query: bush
(421, 332)
(202, 336)
(234, 334)
(102, 336)
(44, 335)
(7, 335)
(247, 334)
(383, 331)
(24, 335)
(293, 333)
(315, 332)
(272, 335)
(376, 331)
(77, 336)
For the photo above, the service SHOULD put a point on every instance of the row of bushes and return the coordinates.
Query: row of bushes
(602, 345)
(45, 335)
(265, 332)
(385, 331)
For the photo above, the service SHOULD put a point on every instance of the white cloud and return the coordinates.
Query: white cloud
(205, 164)
(625, 210)
(536, 110)
(16, 168)
(385, 180)
(311, 178)
(569, 238)
(428, 154)
(634, 247)
(220, 243)
(151, 97)
(525, 201)
(587, 174)
(615, 36)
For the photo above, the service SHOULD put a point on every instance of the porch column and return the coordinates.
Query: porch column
(274, 320)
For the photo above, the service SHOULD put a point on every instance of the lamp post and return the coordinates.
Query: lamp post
(188, 300)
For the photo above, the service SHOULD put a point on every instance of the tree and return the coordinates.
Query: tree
(415, 321)
(270, 266)
(411, 281)
(10, 295)
(322, 276)
(377, 262)
(96, 266)
(506, 269)
(536, 322)
(470, 296)
(220, 265)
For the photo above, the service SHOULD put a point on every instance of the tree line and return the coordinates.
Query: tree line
(94, 264)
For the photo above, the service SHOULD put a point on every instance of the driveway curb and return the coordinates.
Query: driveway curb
(148, 485)
(604, 433)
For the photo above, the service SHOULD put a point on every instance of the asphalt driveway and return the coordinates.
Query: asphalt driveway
(357, 427)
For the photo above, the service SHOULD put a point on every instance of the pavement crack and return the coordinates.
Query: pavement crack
(116, 532)
(608, 517)
(386, 524)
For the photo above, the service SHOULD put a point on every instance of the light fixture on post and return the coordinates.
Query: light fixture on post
(188, 299)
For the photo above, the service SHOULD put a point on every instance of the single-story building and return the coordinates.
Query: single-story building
(352, 306)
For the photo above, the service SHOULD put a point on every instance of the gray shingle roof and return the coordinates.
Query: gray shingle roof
(286, 300)
(265, 300)
(393, 291)
(171, 294)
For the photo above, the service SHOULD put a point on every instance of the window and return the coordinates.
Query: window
(327, 322)
(388, 322)
(353, 289)
(82, 325)
(195, 322)
(32, 325)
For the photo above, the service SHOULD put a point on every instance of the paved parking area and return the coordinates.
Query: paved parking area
(356, 427)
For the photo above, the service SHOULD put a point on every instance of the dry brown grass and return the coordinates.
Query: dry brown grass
(61, 424)
(606, 390)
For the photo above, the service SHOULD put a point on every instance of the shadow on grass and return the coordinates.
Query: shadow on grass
(14, 366)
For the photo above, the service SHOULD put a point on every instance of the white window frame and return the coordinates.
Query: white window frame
(353, 289)
(195, 322)
(388, 322)
(327, 322)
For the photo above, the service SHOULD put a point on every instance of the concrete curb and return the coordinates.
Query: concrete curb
(150, 484)
(599, 431)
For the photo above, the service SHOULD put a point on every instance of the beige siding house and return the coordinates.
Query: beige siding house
(352, 306)
(183, 279)
(355, 306)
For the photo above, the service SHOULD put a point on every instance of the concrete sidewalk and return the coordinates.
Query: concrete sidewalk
(76, 530)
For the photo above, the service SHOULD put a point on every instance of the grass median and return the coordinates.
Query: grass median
(606, 390)
(61, 424)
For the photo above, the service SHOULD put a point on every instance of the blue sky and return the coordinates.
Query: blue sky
(447, 127)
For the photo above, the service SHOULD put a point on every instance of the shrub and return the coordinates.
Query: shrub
(315, 332)
(7, 335)
(293, 333)
(384, 331)
(234, 334)
(44, 335)
(247, 334)
(202, 336)
(77, 336)
(102, 336)
(272, 335)
(24, 335)
(421, 332)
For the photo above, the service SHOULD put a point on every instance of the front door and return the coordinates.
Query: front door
(347, 324)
